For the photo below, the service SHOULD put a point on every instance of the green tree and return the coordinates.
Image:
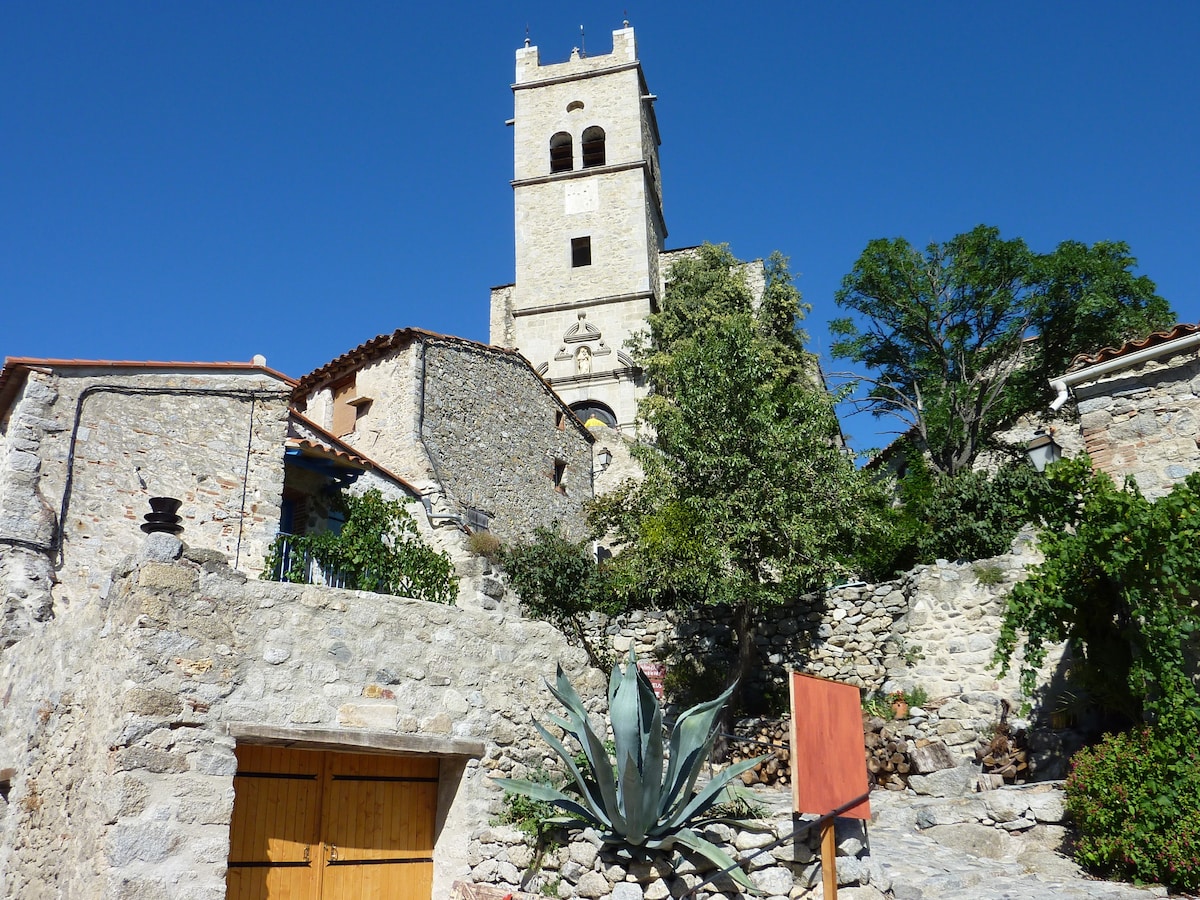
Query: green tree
(944, 330)
(748, 497)
(558, 581)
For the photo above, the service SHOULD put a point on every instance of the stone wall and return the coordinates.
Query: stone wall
(93, 445)
(120, 719)
(1143, 422)
(582, 867)
(495, 433)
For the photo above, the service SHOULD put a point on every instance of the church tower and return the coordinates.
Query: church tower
(589, 226)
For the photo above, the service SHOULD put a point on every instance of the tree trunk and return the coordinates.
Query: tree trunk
(747, 656)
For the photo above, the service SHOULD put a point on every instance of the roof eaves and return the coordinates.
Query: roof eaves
(343, 447)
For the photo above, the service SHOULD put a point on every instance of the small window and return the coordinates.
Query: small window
(562, 154)
(581, 252)
(478, 520)
(344, 412)
(593, 147)
(560, 473)
(560, 420)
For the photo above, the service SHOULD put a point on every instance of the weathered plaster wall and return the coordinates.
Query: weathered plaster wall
(118, 721)
(1143, 422)
(93, 445)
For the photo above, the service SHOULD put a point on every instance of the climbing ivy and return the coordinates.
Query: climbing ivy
(1119, 584)
(378, 549)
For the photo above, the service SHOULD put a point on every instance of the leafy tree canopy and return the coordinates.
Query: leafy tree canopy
(944, 330)
(748, 497)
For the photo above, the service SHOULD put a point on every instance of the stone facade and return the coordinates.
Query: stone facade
(120, 722)
(87, 445)
(470, 427)
(571, 315)
(1142, 422)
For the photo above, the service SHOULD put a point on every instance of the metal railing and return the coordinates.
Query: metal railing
(292, 561)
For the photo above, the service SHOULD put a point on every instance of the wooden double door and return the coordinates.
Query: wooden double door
(320, 825)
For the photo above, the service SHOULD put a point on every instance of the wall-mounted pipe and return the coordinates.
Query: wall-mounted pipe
(1064, 383)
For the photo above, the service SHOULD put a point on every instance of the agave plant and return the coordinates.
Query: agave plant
(648, 798)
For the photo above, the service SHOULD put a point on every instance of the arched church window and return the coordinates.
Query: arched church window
(561, 153)
(593, 146)
(593, 412)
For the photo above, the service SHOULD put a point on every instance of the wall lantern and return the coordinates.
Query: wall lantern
(604, 457)
(1042, 451)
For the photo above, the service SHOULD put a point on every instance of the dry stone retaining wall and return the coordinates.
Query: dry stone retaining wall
(936, 627)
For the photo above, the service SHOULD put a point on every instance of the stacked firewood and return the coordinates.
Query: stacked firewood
(888, 760)
(761, 736)
(1006, 754)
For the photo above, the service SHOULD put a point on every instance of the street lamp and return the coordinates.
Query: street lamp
(1042, 451)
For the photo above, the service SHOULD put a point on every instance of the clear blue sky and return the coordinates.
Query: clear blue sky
(213, 180)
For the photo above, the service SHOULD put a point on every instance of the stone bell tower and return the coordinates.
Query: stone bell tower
(589, 226)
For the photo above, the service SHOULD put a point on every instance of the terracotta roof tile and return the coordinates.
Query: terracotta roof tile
(330, 445)
(1084, 360)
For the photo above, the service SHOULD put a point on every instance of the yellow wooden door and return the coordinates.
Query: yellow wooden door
(275, 827)
(378, 827)
(314, 825)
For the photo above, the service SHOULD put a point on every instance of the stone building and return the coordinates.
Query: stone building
(173, 727)
(1139, 407)
(472, 428)
(84, 445)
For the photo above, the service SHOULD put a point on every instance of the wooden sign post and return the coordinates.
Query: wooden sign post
(829, 768)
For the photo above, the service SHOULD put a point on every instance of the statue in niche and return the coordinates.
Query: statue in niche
(583, 361)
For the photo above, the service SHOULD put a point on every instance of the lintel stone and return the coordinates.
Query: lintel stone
(361, 741)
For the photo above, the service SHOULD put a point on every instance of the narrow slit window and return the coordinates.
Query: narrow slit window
(560, 473)
(562, 154)
(581, 252)
(593, 147)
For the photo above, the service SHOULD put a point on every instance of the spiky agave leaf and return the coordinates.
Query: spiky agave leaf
(580, 728)
(636, 719)
(710, 851)
(691, 743)
(702, 801)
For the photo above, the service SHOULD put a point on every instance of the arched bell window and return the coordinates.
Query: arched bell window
(561, 153)
(593, 146)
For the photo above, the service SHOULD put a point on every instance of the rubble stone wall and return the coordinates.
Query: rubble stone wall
(1143, 422)
(91, 447)
(495, 434)
(119, 722)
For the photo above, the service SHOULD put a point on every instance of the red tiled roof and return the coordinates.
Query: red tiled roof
(1084, 360)
(339, 449)
(15, 365)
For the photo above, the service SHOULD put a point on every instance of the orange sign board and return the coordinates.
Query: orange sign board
(829, 765)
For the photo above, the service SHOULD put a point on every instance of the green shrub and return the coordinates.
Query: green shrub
(1135, 798)
(968, 516)
(559, 581)
(378, 549)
